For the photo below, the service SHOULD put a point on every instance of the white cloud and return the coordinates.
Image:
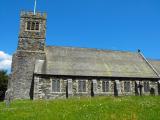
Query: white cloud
(5, 61)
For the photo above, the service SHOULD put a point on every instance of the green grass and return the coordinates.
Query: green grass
(98, 108)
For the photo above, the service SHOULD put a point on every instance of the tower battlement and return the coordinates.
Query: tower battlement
(30, 14)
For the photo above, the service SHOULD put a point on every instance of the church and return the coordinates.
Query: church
(51, 72)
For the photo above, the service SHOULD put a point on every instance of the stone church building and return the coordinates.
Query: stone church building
(49, 72)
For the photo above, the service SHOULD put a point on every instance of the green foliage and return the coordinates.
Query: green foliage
(3, 83)
(98, 108)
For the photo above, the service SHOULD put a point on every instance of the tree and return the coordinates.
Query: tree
(3, 83)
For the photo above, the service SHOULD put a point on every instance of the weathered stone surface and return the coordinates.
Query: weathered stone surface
(22, 73)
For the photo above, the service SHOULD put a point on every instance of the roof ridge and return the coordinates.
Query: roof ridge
(98, 49)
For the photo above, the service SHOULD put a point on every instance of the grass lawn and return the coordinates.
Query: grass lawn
(98, 108)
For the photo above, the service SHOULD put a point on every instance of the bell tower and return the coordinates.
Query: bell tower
(31, 47)
(32, 33)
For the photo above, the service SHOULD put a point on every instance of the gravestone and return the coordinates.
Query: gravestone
(8, 97)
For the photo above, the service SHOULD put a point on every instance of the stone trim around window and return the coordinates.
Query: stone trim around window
(105, 86)
(57, 79)
(86, 90)
(146, 85)
(32, 26)
(102, 87)
(127, 86)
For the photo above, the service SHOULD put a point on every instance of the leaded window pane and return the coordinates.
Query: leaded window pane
(105, 86)
(33, 26)
(146, 87)
(82, 86)
(37, 25)
(56, 85)
(28, 25)
(127, 87)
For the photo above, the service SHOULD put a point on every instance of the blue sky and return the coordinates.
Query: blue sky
(105, 24)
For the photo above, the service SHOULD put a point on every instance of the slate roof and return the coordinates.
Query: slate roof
(93, 62)
(156, 65)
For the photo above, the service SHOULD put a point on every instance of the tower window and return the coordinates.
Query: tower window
(32, 26)
(37, 25)
(28, 25)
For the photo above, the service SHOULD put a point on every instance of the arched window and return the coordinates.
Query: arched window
(56, 85)
(28, 25)
(81, 86)
(105, 86)
(146, 86)
(127, 86)
(37, 25)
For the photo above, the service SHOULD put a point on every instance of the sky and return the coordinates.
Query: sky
(125, 25)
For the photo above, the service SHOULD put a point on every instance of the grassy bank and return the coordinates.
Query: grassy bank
(100, 108)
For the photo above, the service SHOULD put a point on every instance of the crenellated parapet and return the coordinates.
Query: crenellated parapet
(30, 14)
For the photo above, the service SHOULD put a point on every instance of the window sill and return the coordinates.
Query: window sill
(57, 92)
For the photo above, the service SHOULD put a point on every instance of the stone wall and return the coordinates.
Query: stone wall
(22, 73)
(31, 44)
(43, 87)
